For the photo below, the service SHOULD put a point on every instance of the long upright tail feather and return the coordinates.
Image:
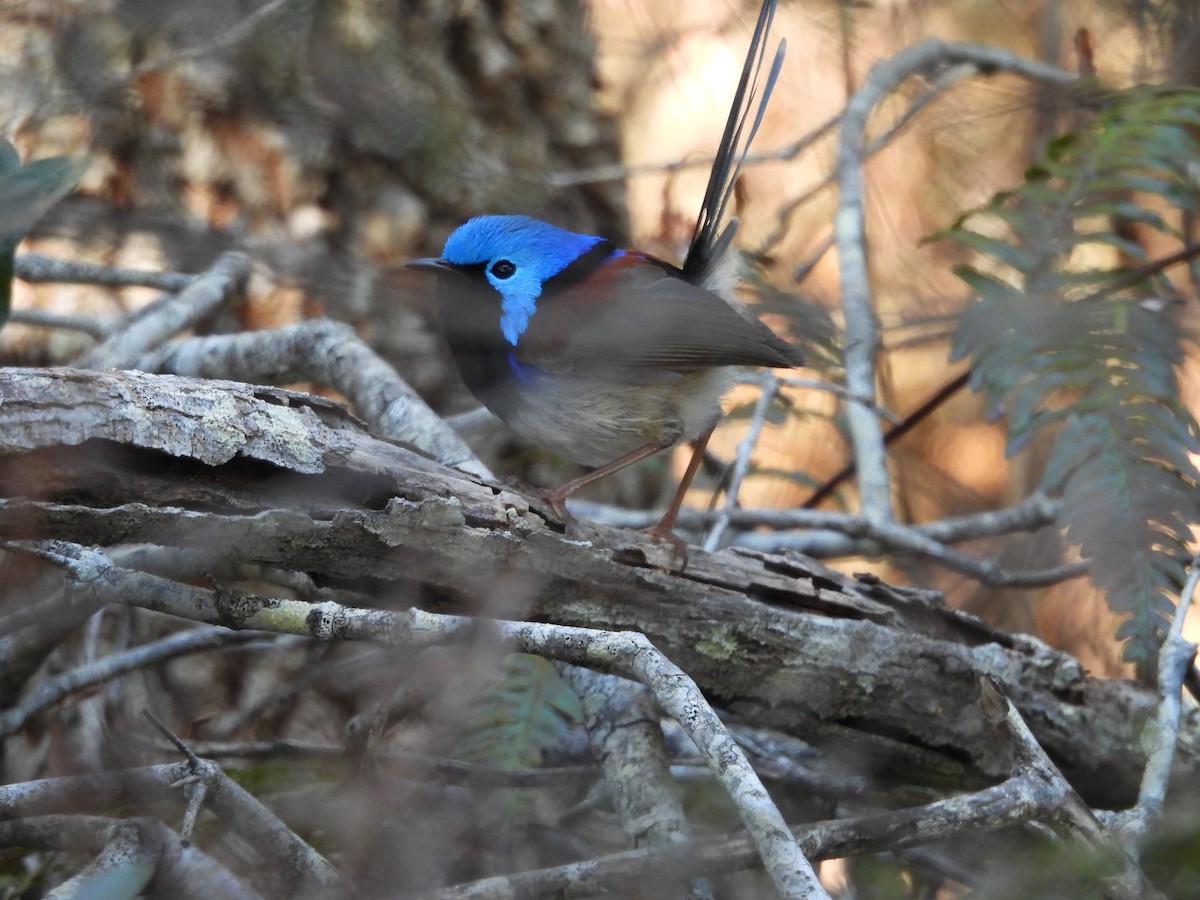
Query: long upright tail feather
(711, 236)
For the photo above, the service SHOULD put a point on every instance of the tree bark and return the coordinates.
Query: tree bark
(887, 676)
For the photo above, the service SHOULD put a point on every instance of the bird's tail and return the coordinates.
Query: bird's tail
(712, 236)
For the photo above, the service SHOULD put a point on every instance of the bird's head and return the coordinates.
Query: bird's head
(513, 255)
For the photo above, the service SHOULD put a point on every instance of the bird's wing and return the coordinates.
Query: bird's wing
(635, 313)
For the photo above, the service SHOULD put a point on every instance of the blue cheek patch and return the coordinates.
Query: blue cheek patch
(515, 311)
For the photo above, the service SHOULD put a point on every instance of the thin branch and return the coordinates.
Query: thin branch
(769, 390)
(114, 666)
(902, 538)
(1020, 799)
(40, 318)
(804, 268)
(618, 172)
(893, 434)
(815, 384)
(148, 327)
(37, 268)
(862, 331)
(1140, 273)
(849, 533)
(942, 84)
(1034, 512)
(305, 870)
(1174, 661)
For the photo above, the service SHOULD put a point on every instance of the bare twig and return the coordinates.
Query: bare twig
(827, 534)
(617, 172)
(909, 540)
(804, 268)
(1034, 512)
(897, 431)
(40, 318)
(828, 387)
(1020, 799)
(148, 327)
(196, 784)
(1174, 661)
(769, 389)
(50, 692)
(862, 332)
(942, 84)
(36, 268)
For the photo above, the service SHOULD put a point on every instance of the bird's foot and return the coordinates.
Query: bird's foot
(662, 531)
(556, 501)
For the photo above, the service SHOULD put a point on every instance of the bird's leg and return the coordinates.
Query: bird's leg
(665, 528)
(556, 499)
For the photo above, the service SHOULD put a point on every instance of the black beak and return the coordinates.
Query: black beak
(430, 264)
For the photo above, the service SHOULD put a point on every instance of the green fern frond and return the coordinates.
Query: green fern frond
(528, 710)
(1059, 341)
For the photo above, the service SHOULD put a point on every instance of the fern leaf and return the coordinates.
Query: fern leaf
(528, 710)
(1065, 346)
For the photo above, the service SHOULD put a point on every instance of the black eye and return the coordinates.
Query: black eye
(502, 268)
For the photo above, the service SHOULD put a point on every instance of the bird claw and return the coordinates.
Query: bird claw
(679, 547)
(557, 502)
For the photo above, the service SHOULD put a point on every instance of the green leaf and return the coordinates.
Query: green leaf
(26, 193)
(10, 159)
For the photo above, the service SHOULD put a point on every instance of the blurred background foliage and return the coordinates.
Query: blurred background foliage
(335, 139)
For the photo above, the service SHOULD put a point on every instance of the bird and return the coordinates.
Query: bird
(607, 355)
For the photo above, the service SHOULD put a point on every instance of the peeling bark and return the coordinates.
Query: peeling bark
(273, 477)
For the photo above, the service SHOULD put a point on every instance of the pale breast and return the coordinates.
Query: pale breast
(594, 423)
